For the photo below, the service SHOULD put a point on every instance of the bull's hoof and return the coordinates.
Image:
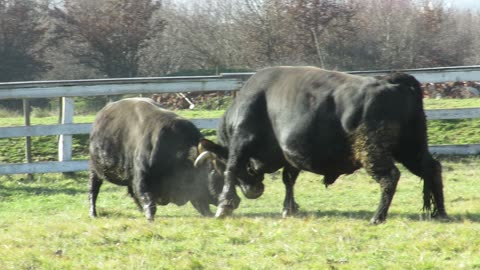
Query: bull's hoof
(224, 211)
(93, 213)
(376, 221)
(290, 211)
(150, 218)
(150, 213)
(286, 213)
(442, 217)
(207, 213)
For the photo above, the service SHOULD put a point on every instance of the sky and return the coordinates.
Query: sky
(465, 4)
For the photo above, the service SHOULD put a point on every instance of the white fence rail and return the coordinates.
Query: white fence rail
(223, 82)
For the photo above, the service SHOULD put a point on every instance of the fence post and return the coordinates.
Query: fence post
(65, 141)
(28, 140)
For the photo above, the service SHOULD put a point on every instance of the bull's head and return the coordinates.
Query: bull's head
(208, 182)
(249, 180)
(209, 164)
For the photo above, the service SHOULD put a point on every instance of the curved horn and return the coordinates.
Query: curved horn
(200, 148)
(202, 157)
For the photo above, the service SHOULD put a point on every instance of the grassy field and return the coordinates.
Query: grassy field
(44, 224)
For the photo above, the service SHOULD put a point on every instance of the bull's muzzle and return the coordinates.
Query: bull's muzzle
(252, 191)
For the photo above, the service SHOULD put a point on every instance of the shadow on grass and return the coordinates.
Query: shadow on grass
(128, 214)
(9, 191)
(333, 214)
(366, 215)
(112, 214)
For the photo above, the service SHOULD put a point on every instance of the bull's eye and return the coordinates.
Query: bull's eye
(250, 170)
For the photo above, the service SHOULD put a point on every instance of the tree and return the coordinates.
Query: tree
(21, 40)
(469, 24)
(208, 34)
(165, 53)
(318, 22)
(264, 24)
(439, 41)
(108, 34)
(386, 34)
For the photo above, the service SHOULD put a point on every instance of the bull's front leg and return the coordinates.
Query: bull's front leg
(143, 194)
(228, 199)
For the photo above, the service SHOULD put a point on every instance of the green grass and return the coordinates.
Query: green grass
(44, 224)
(458, 131)
(451, 103)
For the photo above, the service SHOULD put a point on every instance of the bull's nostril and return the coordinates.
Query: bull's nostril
(252, 192)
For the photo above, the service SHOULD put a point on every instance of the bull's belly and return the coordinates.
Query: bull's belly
(317, 144)
(111, 166)
(177, 189)
(332, 158)
(117, 175)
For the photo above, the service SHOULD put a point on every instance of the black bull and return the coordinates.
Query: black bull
(329, 123)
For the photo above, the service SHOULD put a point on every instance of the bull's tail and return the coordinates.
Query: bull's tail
(426, 167)
(433, 189)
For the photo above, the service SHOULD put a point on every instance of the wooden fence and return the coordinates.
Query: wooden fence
(67, 90)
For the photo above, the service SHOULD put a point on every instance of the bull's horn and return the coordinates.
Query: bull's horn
(200, 147)
(202, 157)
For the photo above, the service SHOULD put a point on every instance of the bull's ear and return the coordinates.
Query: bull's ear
(220, 151)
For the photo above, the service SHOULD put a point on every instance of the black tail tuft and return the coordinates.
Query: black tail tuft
(433, 191)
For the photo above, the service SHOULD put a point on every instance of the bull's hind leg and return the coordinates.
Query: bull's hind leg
(135, 199)
(202, 207)
(373, 149)
(289, 177)
(95, 184)
(142, 192)
(430, 170)
(387, 177)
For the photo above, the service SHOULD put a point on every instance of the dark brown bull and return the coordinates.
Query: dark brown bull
(151, 151)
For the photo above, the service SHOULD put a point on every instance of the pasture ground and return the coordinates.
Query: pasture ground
(44, 224)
